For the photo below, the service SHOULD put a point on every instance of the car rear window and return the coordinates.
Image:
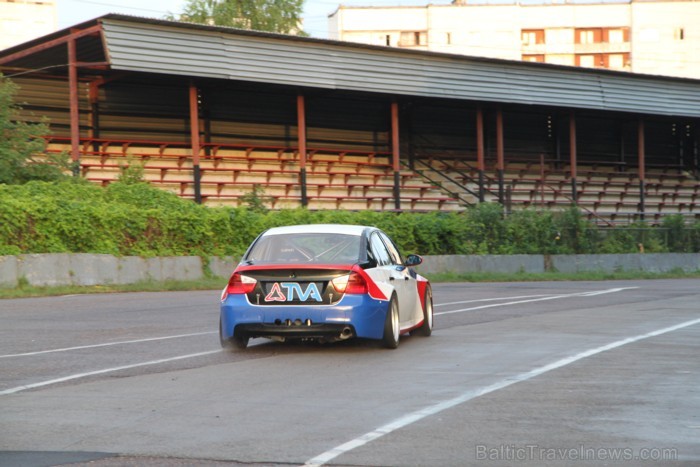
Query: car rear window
(306, 248)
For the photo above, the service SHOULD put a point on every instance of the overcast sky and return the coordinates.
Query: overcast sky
(315, 16)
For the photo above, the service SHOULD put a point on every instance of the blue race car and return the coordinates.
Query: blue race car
(325, 283)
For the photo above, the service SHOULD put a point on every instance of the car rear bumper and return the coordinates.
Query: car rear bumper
(361, 314)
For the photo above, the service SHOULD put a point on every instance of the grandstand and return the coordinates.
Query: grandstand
(213, 114)
(335, 179)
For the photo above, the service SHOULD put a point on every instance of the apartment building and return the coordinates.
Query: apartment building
(659, 37)
(24, 20)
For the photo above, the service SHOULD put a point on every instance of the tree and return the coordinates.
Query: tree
(23, 145)
(281, 16)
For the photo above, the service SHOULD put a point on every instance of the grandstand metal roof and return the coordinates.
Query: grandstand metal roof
(133, 44)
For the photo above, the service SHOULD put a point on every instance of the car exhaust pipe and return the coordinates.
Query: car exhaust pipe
(346, 333)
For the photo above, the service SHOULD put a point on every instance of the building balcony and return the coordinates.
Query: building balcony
(603, 48)
(599, 48)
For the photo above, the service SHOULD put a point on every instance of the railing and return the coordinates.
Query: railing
(456, 195)
(474, 180)
(593, 214)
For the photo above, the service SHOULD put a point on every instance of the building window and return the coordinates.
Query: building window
(615, 36)
(539, 58)
(679, 34)
(588, 36)
(586, 60)
(448, 38)
(590, 61)
(616, 61)
(532, 36)
(413, 38)
(387, 39)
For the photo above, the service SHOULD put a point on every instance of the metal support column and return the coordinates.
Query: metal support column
(573, 156)
(641, 154)
(696, 149)
(301, 136)
(500, 156)
(395, 154)
(480, 150)
(74, 107)
(94, 95)
(194, 136)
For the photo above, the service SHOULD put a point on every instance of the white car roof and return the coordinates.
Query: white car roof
(318, 228)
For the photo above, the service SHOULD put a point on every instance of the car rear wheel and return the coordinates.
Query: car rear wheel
(391, 325)
(237, 342)
(427, 328)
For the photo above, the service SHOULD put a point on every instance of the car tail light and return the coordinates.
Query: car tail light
(239, 284)
(352, 283)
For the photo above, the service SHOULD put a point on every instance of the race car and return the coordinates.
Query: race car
(325, 283)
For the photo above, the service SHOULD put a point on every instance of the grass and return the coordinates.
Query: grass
(24, 290)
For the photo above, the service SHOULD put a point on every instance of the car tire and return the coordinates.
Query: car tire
(391, 325)
(237, 342)
(427, 328)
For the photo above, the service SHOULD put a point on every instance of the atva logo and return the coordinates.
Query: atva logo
(293, 289)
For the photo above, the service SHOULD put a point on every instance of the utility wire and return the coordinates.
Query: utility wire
(26, 72)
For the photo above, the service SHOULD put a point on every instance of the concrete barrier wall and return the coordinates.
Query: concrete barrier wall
(482, 263)
(90, 269)
(650, 262)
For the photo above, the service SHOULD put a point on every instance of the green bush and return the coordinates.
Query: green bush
(677, 233)
(132, 218)
(532, 232)
(577, 235)
(634, 238)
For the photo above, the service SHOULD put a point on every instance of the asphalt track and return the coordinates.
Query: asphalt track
(555, 373)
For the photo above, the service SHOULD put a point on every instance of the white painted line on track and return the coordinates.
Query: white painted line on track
(92, 346)
(492, 299)
(105, 370)
(540, 299)
(593, 293)
(418, 415)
